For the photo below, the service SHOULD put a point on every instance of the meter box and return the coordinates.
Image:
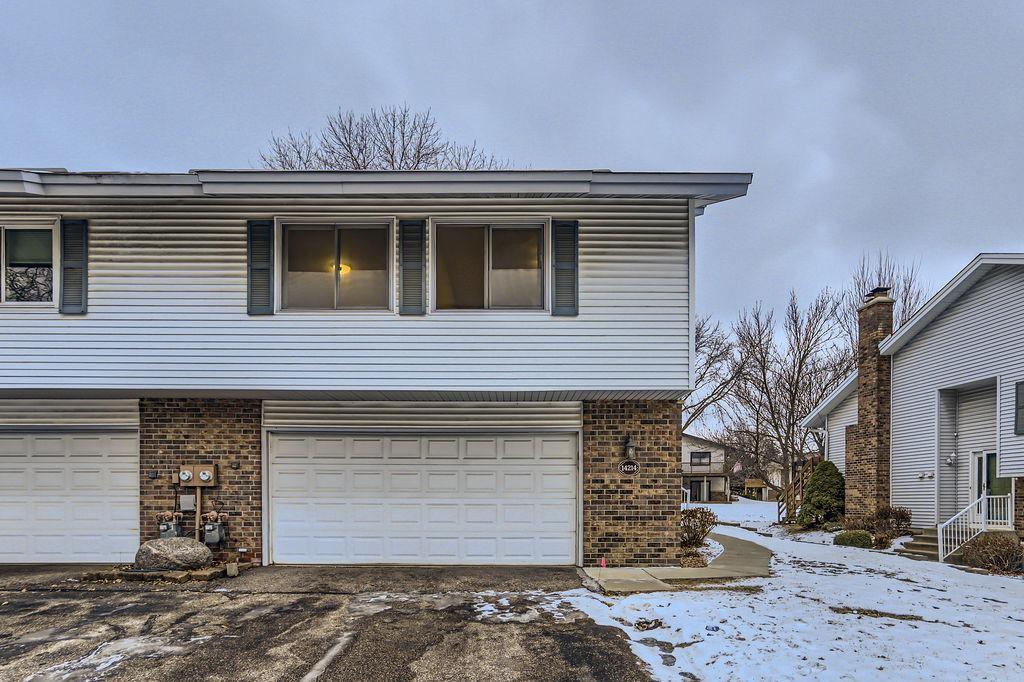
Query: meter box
(197, 475)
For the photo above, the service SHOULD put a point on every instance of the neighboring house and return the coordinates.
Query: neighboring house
(755, 487)
(704, 476)
(378, 367)
(933, 419)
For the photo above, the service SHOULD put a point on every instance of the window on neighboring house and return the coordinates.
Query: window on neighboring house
(1018, 421)
(329, 267)
(27, 259)
(480, 267)
(700, 459)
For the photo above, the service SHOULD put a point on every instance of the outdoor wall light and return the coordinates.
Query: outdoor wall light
(630, 447)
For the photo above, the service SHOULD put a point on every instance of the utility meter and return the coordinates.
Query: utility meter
(185, 475)
(205, 475)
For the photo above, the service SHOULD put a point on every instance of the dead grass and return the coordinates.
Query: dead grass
(872, 613)
(713, 586)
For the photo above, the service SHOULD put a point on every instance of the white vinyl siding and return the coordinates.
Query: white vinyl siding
(420, 416)
(81, 413)
(423, 499)
(69, 497)
(976, 432)
(843, 416)
(715, 466)
(978, 338)
(167, 310)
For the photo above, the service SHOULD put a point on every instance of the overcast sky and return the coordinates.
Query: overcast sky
(866, 125)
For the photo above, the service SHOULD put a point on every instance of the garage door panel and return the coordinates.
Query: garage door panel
(476, 499)
(14, 478)
(69, 497)
(12, 446)
(51, 446)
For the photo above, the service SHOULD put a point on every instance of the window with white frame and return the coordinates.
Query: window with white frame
(336, 267)
(28, 256)
(480, 267)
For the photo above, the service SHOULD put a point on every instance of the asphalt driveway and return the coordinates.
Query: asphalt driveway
(297, 623)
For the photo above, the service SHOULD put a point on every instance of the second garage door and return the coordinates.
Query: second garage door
(423, 499)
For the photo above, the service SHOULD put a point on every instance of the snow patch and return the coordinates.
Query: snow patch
(829, 613)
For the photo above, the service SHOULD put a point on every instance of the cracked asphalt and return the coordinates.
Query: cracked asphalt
(305, 623)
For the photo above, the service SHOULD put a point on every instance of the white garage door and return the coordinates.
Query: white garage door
(69, 497)
(466, 499)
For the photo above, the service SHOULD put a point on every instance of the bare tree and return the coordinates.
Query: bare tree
(716, 367)
(384, 138)
(292, 151)
(882, 270)
(788, 369)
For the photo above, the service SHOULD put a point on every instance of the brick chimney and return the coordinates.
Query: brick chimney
(867, 442)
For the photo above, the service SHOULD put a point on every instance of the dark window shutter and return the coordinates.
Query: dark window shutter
(412, 237)
(1018, 422)
(261, 267)
(565, 290)
(74, 266)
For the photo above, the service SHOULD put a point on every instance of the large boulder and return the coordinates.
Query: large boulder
(173, 554)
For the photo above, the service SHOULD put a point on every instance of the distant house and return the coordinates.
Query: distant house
(933, 418)
(704, 471)
(751, 485)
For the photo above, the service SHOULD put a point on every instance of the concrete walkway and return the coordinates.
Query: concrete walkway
(740, 559)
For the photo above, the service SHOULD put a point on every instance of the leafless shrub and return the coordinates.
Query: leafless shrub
(995, 552)
(695, 524)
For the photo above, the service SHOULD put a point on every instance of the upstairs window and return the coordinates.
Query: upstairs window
(1018, 418)
(700, 459)
(480, 267)
(336, 267)
(27, 257)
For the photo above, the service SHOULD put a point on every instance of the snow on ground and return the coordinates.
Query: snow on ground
(710, 550)
(747, 512)
(938, 622)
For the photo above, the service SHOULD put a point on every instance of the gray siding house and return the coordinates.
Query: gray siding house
(955, 421)
(379, 367)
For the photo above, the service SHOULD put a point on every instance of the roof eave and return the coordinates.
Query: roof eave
(703, 188)
(816, 418)
(945, 297)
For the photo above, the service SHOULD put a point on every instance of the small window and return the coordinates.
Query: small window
(329, 267)
(700, 459)
(480, 267)
(27, 259)
(1018, 421)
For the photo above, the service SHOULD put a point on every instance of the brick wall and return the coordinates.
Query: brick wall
(631, 520)
(176, 431)
(867, 442)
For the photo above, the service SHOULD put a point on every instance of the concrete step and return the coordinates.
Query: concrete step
(922, 547)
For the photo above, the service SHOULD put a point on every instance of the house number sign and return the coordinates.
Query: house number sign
(629, 467)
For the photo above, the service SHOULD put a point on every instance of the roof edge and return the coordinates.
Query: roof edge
(816, 418)
(946, 296)
(706, 188)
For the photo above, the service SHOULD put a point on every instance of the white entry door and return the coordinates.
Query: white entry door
(69, 497)
(423, 499)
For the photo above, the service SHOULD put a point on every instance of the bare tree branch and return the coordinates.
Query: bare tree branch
(716, 367)
(882, 270)
(384, 138)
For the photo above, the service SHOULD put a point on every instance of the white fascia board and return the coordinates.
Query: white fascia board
(704, 188)
(20, 183)
(816, 418)
(946, 296)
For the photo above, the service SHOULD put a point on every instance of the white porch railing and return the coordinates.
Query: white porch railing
(988, 512)
(686, 497)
